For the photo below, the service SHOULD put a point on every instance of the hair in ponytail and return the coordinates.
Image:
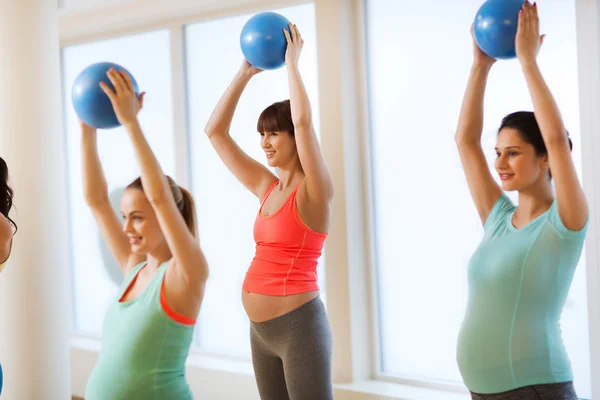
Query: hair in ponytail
(188, 210)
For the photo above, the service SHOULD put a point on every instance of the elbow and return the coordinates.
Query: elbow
(157, 198)
(458, 138)
(557, 139)
(157, 190)
(96, 200)
(462, 140)
(95, 191)
(209, 130)
(302, 121)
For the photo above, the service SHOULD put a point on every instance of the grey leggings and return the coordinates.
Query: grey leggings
(550, 391)
(292, 354)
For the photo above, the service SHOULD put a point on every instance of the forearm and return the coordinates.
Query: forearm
(545, 108)
(153, 179)
(95, 188)
(299, 101)
(221, 118)
(470, 122)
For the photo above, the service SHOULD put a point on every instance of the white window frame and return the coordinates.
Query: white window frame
(344, 110)
(588, 49)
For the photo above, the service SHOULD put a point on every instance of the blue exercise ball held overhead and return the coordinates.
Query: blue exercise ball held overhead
(91, 104)
(495, 27)
(263, 42)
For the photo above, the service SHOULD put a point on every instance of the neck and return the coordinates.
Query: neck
(290, 175)
(536, 199)
(158, 256)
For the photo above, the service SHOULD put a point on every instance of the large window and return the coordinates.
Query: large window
(425, 223)
(96, 277)
(226, 210)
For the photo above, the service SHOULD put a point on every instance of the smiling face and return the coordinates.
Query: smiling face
(279, 147)
(517, 163)
(140, 223)
(277, 132)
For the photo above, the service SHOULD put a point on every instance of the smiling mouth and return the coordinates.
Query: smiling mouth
(505, 177)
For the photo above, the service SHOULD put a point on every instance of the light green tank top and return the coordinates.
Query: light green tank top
(143, 350)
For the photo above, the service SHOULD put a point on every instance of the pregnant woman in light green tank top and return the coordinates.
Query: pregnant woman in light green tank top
(148, 329)
(510, 344)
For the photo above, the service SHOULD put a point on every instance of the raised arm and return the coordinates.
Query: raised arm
(189, 261)
(319, 182)
(484, 189)
(95, 193)
(570, 198)
(252, 174)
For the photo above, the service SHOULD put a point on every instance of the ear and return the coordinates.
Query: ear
(544, 161)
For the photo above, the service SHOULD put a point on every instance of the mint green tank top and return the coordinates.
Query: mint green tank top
(518, 284)
(143, 350)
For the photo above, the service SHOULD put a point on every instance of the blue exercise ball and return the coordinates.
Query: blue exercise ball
(263, 41)
(0, 378)
(91, 104)
(495, 27)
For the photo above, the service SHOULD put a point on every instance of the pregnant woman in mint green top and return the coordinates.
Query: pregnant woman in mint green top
(510, 344)
(148, 329)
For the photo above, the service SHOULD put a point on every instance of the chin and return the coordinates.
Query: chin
(510, 186)
(137, 249)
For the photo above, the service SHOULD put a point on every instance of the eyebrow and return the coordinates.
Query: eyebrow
(133, 212)
(509, 147)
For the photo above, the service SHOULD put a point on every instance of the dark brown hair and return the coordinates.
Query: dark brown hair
(183, 199)
(526, 124)
(276, 118)
(6, 193)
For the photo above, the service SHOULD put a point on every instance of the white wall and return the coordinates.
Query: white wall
(88, 4)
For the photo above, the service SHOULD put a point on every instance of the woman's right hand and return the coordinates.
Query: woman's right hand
(479, 57)
(249, 69)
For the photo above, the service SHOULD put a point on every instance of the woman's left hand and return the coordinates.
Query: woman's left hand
(123, 98)
(294, 45)
(528, 41)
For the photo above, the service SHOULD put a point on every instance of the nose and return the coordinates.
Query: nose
(127, 225)
(501, 162)
(265, 142)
